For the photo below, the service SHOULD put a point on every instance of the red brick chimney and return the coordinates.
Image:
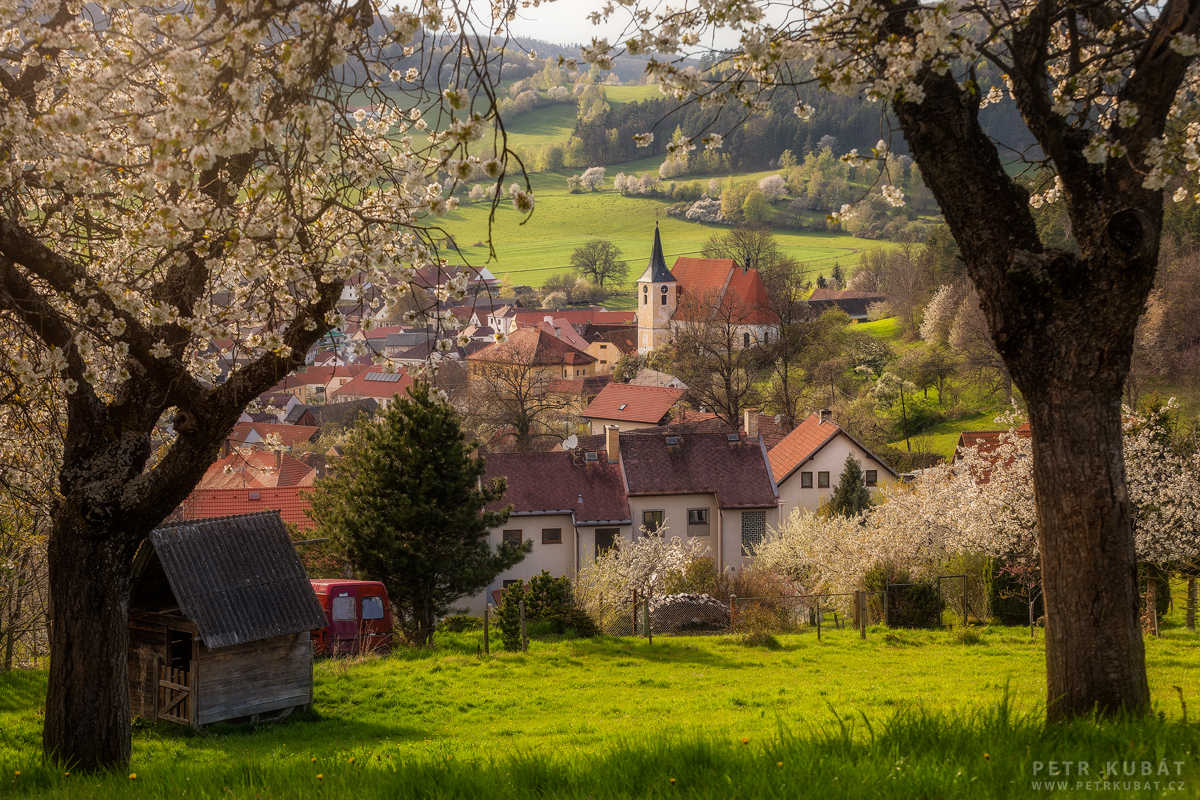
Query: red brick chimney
(612, 441)
(750, 423)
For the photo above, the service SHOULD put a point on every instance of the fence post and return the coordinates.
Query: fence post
(524, 638)
(1191, 604)
(818, 619)
(886, 620)
(861, 606)
(646, 621)
(964, 601)
(486, 606)
(732, 610)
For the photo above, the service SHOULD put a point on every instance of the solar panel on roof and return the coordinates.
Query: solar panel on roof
(733, 437)
(672, 440)
(590, 457)
(386, 377)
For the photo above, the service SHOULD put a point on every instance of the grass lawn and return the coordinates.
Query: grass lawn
(902, 714)
(943, 437)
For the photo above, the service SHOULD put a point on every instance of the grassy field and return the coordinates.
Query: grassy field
(901, 714)
(528, 252)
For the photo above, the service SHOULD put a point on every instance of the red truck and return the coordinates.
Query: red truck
(359, 616)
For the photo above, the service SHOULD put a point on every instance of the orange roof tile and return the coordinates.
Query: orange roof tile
(623, 401)
(289, 435)
(257, 470)
(290, 502)
(800, 445)
(721, 277)
(534, 347)
(364, 385)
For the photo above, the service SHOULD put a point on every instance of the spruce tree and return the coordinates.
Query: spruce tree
(851, 496)
(406, 508)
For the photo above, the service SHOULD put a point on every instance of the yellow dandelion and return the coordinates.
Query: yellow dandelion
(985, 755)
(17, 773)
(779, 763)
(312, 761)
(745, 740)
(672, 781)
(320, 776)
(133, 776)
(351, 761)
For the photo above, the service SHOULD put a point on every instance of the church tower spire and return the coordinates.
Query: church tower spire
(658, 293)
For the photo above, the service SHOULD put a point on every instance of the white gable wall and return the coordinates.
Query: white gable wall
(832, 459)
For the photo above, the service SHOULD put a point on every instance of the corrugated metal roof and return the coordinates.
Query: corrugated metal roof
(238, 578)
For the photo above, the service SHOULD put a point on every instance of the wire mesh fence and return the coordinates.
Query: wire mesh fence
(901, 605)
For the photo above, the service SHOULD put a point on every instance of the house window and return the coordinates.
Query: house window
(372, 607)
(805, 480)
(511, 583)
(605, 539)
(745, 340)
(513, 537)
(343, 608)
(603, 347)
(766, 337)
(754, 528)
(645, 299)
(652, 520)
(872, 477)
(551, 535)
(822, 480)
(697, 516)
(663, 297)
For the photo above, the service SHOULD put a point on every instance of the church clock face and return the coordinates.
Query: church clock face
(645, 288)
(663, 289)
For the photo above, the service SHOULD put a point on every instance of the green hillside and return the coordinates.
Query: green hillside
(529, 251)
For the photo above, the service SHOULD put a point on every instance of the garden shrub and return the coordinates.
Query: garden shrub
(460, 622)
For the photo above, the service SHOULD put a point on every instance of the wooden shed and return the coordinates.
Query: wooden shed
(219, 622)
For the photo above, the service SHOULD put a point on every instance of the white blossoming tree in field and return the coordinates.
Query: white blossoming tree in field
(175, 175)
(1103, 89)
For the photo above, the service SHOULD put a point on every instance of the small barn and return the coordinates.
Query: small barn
(219, 622)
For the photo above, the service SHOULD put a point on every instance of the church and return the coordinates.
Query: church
(700, 288)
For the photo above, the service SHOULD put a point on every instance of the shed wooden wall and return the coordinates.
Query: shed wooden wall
(148, 643)
(254, 678)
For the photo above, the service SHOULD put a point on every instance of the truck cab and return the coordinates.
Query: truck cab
(358, 614)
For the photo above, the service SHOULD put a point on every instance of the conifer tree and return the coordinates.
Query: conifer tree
(407, 508)
(851, 496)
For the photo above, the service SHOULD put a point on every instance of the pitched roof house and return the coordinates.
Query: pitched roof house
(855, 304)
(535, 348)
(575, 503)
(376, 384)
(808, 462)
(630, 407)
(246, 434)
(257, 469)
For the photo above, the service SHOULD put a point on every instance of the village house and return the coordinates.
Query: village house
(575, 503)
(808, 462)
(607, 348)
(696, 290)
(631, 407)
(256, 434)
(857, 305)
(537, 350)
(374, 384)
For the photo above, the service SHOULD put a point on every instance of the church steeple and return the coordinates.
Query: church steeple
(659, 292)
(656, 270)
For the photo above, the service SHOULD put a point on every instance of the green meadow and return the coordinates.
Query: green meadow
(527, 251)
(899, 714)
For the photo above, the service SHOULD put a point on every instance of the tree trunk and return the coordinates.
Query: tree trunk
(87, 700)
(1094, 654)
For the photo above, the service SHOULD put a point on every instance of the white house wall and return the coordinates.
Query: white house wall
(675, 508)
(624, 425)
(731, 535)
(557, 559)
(831, 459)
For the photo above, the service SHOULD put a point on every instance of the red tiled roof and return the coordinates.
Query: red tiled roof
(987, 441)
(290, 502)
(533, 347)
(289, 435)
(845, 294)
(561, 481)
(641, 403)
(686, 420)
(561, 329)
(575, 316)
(721, 278)
(363, 386)
(736, 472)
(624, 340)
(801, 444)
(257, 470)
(579, 386)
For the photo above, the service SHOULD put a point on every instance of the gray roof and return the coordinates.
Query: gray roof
(656, 270)
(405, 339)
(239, 579)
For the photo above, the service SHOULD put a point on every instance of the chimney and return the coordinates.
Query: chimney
(612, 441)
(751, 423)
(826, 415)
(549, 318)
(278, 460)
